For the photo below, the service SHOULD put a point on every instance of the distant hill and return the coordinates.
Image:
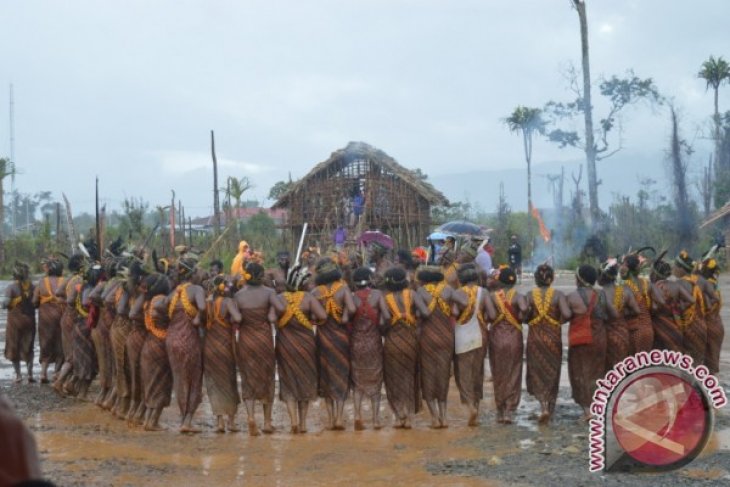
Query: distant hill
(620, 175)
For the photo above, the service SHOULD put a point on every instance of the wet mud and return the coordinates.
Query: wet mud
(82, 445)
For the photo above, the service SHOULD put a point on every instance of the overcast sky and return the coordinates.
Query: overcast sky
(129, 90)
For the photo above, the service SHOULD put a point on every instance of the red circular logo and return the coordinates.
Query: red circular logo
(661, 419)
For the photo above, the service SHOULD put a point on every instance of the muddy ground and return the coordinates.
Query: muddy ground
(82, 445)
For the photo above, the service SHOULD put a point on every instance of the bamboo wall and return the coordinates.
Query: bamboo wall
(391, 205)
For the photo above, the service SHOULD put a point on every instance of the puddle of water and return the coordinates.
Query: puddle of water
(85, 441)
(526, 444)
(722, 439)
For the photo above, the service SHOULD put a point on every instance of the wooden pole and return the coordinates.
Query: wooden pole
(58, 223)
(181, 218)
(190, 230)
(216, 202)
(98, 221)
(172, 222)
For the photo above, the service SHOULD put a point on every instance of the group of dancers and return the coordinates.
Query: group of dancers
(330, 327)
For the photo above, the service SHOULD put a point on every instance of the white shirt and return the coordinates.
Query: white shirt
(484, 261)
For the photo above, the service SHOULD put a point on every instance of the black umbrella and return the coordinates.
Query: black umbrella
(461, 227)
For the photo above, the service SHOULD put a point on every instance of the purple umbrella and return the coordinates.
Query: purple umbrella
(375, 236)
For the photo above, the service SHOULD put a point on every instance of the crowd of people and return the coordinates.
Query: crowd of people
(148, 327)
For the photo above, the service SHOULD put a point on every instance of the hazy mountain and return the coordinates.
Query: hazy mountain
(621, 174)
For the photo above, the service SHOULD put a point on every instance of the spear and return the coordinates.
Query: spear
(70, 224)
(301, 243)
(98, 220)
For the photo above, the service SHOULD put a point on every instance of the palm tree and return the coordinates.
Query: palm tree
(715, 72)
(6, 169)
(527, 121)
(237, 187)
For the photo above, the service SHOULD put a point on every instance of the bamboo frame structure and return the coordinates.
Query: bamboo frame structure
(396, 200)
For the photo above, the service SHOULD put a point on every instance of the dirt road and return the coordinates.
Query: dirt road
(82, 445)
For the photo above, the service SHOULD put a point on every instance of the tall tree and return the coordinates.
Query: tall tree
(590, 145)
(678, 149)
(527, 122)
(619, 92)
(6, 170)
(715, 72)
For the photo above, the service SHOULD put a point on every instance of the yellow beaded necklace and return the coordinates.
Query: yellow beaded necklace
(618, 298)
(504, 314)
(294, 310)
(542, 306)
(435, 291)
(327, 297)
(182, 296)
(149, 321)
(396, 314)
(471, 295)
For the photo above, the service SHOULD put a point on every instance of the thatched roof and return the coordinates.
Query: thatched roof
(716, 215)
(360, 150)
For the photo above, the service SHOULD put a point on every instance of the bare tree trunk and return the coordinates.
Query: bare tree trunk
(718, 141)
(527, 141)
(2, 221)
(590, 148)
(679, 173)
(706, 188)
(181, 216)
(172, 222)
(58, 222)
(216, 202)
(561, 186)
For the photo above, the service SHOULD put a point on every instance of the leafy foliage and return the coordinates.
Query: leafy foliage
(279, 189)
(618, 92)
(715, 71)
(134, 211)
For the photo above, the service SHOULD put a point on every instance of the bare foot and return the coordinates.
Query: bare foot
(154, 427)
(253, 430)
(233, 428)
(435, 424)
(507, 418)
(59, 390)
(294, 430)
(267, 429)
(189, 429)
(339, 427)
(544, 418)
(44, 380)
(302, 430)
(220, 429)
(473, 421)
(18, 380)
(359, 426)
(31, 380)
(377, 425)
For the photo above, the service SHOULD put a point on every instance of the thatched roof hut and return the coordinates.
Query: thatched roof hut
(361, 188)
